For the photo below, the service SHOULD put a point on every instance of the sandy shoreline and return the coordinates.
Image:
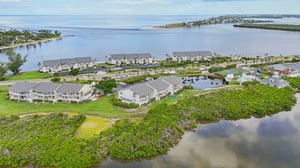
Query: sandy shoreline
(29, 43)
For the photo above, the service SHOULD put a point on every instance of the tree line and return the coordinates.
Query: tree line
(13, 36)
(16, 60)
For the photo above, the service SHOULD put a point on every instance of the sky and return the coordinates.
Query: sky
(148, 7)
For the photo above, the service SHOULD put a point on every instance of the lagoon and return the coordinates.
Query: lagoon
(202, 82)
(272, 141)
(100, 36)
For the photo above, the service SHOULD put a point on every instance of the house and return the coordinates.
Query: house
(22, 91)
(162, 88)
(74, 92)
(119, 59)
(139, 94)
(246, 77)
(274, 81)
(287, 69)
(229, 77)
(46, 91)
(155, 89)
(191, 55)
(66, 64)
(174, 81)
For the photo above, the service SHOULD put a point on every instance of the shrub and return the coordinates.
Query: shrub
(188, 87)
(118, 102)
(55, 80)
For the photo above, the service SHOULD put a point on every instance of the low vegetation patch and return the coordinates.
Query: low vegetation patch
(47, 141)
(29, 75)
(294, 81)
(118, 102)
(216, 68)
(92, 125)
(136, 79)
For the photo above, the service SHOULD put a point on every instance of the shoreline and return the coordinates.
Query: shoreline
(30, 43)
(281, 27)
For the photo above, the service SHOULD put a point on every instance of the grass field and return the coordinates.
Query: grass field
(187, 93)
(101, 107)
(28, 75)
(92, 125)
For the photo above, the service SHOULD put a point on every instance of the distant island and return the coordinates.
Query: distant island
(285, 27)
(213, 20)
(13, 38)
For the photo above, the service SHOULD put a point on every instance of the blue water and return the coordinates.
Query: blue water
(100, 36)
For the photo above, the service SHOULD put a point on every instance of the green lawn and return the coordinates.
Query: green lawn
(101, 107)
(29, 75)
(92, 125)
(187, 93)
(234, 71)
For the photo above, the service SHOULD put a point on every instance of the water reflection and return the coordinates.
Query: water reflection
(249, 143)
(202, 82)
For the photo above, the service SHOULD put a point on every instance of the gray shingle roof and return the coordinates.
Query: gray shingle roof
(70, 88)
(67, 61)
(51, 63)
(278, 82)
(173, 80)
(46, 87)
(84, 59)
(141, 89)
(22, 87)
(130, 56)
(192, 53)
(158, 84)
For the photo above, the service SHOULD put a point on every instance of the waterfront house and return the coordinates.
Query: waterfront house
(155, 89)
(66, 64)
(191, 55)
(119, 59)
(46, 91)
(139, 94)
(162, 88)
(175, 82)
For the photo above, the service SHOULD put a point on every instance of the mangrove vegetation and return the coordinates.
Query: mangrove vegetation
(285, 27)
(50, 140)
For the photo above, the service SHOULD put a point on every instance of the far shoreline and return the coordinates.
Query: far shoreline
(29, 43)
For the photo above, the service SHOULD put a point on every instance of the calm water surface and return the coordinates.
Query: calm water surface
(100, 36)
(249, 143)
(202, 82)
